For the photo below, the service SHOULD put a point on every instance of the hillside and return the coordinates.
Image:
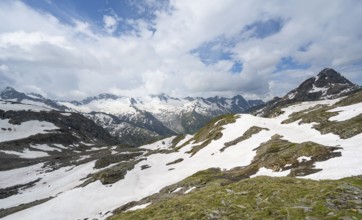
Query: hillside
(313, 140)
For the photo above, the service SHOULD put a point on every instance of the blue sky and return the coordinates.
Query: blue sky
(70, 49)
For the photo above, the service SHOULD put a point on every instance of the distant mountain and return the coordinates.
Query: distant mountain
(328, 84)
(32, 98)
(29, 131)
(156, 116)
(136, 121)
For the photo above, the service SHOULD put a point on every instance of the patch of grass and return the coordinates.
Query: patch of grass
(175, 161)
(112, 174)
(213, 126)
(109, 159)
(277, 153)
(210, 132)
(260, 198)
(247, 134)
(345, 129)
(177, 140)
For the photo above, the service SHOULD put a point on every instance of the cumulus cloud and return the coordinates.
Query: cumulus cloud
(186, 48)
(110, 23)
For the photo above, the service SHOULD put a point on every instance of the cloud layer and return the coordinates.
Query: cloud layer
(182, 48)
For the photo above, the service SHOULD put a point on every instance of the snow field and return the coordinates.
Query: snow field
(25, 129)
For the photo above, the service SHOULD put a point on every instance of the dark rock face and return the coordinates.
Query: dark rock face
(328, 76)
(328, 84)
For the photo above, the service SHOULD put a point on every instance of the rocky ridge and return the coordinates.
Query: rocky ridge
(328, 84)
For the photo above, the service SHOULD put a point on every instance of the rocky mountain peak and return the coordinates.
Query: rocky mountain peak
(329, 76)
(327, 84)
(11, 93)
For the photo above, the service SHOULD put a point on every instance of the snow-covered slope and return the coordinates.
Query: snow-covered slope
(304, 140)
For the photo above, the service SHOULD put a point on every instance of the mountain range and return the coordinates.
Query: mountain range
(136, 121)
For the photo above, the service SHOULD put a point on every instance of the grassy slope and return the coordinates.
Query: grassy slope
(259, 198)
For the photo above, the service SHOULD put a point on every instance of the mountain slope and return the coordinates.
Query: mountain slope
(303, 141)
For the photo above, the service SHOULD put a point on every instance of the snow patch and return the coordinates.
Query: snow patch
(44, 147)
(189, 190)
(26, 153)
(139, 207)
(177, 190)
(9, 132)
(269, 172)
(303, 159)
(346, 112)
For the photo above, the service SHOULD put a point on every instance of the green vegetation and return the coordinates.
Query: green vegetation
(109, 159)
(276, 154)
(247, 134)
(177, 140)
(175, 161)
(210, 132)
(112, 174)
(260, 198)
(345, 129)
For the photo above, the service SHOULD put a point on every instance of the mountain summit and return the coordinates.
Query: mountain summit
(328, 84)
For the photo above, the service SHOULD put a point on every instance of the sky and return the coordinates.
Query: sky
(72, 49)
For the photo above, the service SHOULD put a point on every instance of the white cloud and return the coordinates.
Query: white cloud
(72, 61)
(110, 23)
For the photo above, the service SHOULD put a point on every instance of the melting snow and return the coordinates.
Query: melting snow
(303, 159)
(44, 147)
(26, 153)
(346, 112)
(139, 206)
(189, 190)
(269, 172)
(25, 129)
(176, 190)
